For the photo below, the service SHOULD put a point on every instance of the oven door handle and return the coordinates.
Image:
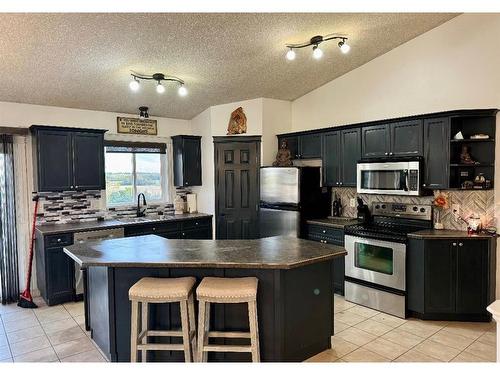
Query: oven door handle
(406, 182)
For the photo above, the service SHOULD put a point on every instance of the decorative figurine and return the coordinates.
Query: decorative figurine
(465, 157)
(283, 156)
(479, 181)
(474, 224)
(237, 122)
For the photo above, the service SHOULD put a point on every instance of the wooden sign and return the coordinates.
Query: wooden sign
(131, 125)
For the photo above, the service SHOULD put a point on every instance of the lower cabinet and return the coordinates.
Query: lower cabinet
(451, 279)
(334, 236)
(195, 229)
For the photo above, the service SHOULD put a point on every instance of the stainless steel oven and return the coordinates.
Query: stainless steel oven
(401, 177)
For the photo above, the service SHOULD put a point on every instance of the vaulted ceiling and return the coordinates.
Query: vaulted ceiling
(84, 60)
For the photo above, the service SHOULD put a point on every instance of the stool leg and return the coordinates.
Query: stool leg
(185, 331)
(144, 327)
(192, 326)
(133, 331)
(254, 330)
(206, 330)
(201, 330)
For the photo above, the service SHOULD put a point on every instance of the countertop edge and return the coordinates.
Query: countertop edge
(448, 234)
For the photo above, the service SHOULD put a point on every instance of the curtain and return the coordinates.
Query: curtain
(135, 147)
(9, 280)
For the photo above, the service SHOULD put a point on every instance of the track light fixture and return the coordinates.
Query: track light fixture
(315, 41)
(159, 78)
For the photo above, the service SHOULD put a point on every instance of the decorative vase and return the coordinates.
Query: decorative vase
(437, 220)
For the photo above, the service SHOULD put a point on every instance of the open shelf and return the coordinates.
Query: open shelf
(472, 165)
(472, 140)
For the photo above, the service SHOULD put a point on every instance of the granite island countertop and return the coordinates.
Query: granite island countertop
(153, 251)
(46, 229)
(443, 234)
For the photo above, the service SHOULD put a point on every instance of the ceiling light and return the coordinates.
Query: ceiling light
(134, 84)
(290, 55)
(143, 113)
(182, 91)
(344, 47)
(160, 89)
(317, 53)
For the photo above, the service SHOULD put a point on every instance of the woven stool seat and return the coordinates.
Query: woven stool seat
(227, 290)
(155, 289)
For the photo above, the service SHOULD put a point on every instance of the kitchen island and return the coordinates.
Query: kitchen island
(295, 297)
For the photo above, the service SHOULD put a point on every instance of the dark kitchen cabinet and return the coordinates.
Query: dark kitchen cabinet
(68, 158)
(334, 236)
(406, 138)
(187, 160)
(310, 146)
(341, 151)
(376, 141)
(451, 279)
(192, 229)
(437, 153)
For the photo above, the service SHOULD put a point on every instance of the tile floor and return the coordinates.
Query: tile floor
(57, 333)
(366, 335)
(46, 334)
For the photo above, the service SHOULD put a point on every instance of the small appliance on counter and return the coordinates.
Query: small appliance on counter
(336, 206)
(363, 212)
(192, 206)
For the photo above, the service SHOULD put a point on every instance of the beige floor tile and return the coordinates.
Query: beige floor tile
(90, 356)
(347, 317)
(3, 340)
(415, 356)
(489, 338)
(46, 309)
(339, 306)
(385, 348)
(437, 350)
(388, 320)
(42, 355)
(27, 322)
(467, 357)
(52, 316)
(80, 319)
(363, 311)
(341, 347)
(325, 356)
(73, 347)
(364, 355)
(2, 331)
(420, 328)
(24, 334)
(29, 345)
(6, 309)
(485, 351)
(338, 326)
(356, 336)
(59, 325)
(373, 327)
(5, 352)
(75, 308)
(471, 330)
(403, 338)
(17, 315)
(451, 339)
(65, 335)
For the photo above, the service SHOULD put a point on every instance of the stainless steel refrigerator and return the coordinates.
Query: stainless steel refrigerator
(289, 196)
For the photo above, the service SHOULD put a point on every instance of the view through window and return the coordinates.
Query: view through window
(131, 173)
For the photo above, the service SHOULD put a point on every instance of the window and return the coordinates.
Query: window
(133, 168)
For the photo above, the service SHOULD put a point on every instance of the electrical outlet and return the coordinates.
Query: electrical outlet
(352, 202)
(455, 210)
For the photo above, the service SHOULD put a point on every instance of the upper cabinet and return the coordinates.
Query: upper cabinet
(437, 153)
(68, 158)
(341, 151)
(396, 139)
(187, 160)
(306, 146)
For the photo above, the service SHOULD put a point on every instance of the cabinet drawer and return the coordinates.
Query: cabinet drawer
(323, 233)
(59, 240)
(197, 223)
(139, 230)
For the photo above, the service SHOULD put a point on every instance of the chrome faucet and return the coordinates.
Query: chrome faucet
(141, 212)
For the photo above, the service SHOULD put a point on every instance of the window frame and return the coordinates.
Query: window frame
(163, 182)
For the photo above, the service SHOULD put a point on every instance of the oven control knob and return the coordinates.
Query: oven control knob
(422, 209)
(415, 208)
(383, 206)
(377, 206)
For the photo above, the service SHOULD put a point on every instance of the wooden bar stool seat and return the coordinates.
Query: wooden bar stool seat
(162, 290)
(227, 290)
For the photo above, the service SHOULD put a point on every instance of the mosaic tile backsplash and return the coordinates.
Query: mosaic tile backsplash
(471, 202)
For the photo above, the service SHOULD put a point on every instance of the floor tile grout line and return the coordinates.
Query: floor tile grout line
(46, 336)
(8, 343)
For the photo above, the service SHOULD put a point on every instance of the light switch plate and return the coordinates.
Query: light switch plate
(352, 202)
(455, 210)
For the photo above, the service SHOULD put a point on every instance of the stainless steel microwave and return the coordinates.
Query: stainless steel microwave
(389, 177)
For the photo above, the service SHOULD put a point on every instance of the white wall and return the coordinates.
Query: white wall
(276, 119)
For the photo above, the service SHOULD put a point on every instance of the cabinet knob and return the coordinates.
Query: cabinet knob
(391, 153)
(336, 183)
(71, 186)
(454, 244)
(76, 186)
(154, 229)
(460, 244)
(196, 223)
(183, 234)
(316, 292)
(424, 185)
(386, 153)
(58, 240)
(340, 183)
(185, 183)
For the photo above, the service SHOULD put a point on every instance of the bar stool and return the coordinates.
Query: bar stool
(162, 290)
(227, 290)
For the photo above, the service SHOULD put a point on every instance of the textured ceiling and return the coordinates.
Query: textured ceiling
(83, 60)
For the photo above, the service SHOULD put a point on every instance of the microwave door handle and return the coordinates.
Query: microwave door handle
(406, 182)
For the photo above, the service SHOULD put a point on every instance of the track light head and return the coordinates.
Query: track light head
(134, 84)
(160, 89)
(317, 52)
(344, 47)
(290, 55)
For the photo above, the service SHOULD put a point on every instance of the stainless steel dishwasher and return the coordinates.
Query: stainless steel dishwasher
(92, 236)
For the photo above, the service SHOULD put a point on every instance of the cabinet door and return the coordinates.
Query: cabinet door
(204, 233)
(293, 145)
(55, 162)
(88, 161)
(472, 276)
(192, 162)
(331, 158)
(60, 276)
(406, 138)
(310, 146)
(349, 156)
(437, 153)
(375, 141)
(440, 276)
